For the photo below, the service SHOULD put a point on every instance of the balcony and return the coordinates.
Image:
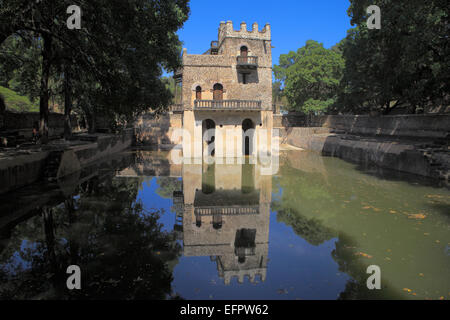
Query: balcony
(227, 210)
(176, 108)
(227, 105)
(249, 62)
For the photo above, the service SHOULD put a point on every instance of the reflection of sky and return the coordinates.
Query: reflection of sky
(151, 200)
(16, 263)
(296, 269)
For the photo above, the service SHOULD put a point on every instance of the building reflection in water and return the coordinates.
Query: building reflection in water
(223, 212)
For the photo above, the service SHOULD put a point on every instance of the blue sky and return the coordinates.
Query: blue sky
(293, 22)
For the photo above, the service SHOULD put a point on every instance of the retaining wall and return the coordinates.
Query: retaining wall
(417, 144)
(22, 167)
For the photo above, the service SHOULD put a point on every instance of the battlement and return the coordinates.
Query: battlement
(241, 274)
(226, 30)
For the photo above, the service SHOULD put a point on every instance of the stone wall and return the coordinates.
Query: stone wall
(417, 144)
(23, 122)
(399, 126)
(22, 167)
(159, 131)
(420, 126)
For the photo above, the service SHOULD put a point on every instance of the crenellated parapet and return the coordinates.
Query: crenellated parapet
(226, 30)
(240, 275)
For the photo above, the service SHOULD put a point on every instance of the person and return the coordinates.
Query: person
(35, 137)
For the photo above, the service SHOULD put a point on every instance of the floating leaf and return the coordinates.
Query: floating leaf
(417, 216)
(365, 255)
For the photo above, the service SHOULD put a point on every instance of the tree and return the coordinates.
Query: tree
(116, 58)
(310, 76)
(404, 62)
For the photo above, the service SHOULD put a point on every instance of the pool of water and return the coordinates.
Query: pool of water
(140, 227)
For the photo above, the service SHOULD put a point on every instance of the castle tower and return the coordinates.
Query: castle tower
(227, 91)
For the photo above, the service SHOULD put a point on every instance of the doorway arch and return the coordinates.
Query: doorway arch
(244, 54)
(198, 93)
(217, 92)
(248, 130)
(208, 137)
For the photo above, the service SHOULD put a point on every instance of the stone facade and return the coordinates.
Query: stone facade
(240, 65)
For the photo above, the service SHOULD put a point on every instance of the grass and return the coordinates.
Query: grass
(16, 102)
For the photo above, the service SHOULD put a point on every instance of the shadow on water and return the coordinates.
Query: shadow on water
(94, 222)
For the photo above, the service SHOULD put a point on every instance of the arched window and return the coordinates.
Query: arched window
(218, 92)
(247, 137)
(244, 54)
(198, 93)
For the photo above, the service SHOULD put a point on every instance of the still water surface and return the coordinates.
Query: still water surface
(141, 227)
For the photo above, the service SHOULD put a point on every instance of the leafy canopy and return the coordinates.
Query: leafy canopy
(310, 76)
(406, 61)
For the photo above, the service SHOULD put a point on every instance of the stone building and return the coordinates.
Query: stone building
(228, 91)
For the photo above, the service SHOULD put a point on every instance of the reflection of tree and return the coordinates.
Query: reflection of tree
(167, 185)
(303, 192)
(350, 263)
(305, 196)
(121, 250)
(312, 230)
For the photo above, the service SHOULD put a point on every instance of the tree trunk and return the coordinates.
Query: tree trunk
(90, 116)
(67, 103)
(44, 94)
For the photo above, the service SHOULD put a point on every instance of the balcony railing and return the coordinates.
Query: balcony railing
(176, 108)
(227, 105)
(226, 211)
(247, 62)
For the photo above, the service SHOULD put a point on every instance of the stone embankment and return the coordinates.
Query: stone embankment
(417, 144)
(22, 166)
(157, 131)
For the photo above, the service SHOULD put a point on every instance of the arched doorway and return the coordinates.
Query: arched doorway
(218, 92)
(248, 128)
(208, 134)
(244, 54)
(244, 243)
(217, 221)
(198, 93)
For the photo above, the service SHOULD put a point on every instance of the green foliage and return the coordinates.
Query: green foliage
(16, 102)
(311, 77)
(167, 185)
(112, 66)
(405, 62)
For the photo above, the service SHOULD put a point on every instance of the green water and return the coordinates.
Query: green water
(399, 224)
(141, 227)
